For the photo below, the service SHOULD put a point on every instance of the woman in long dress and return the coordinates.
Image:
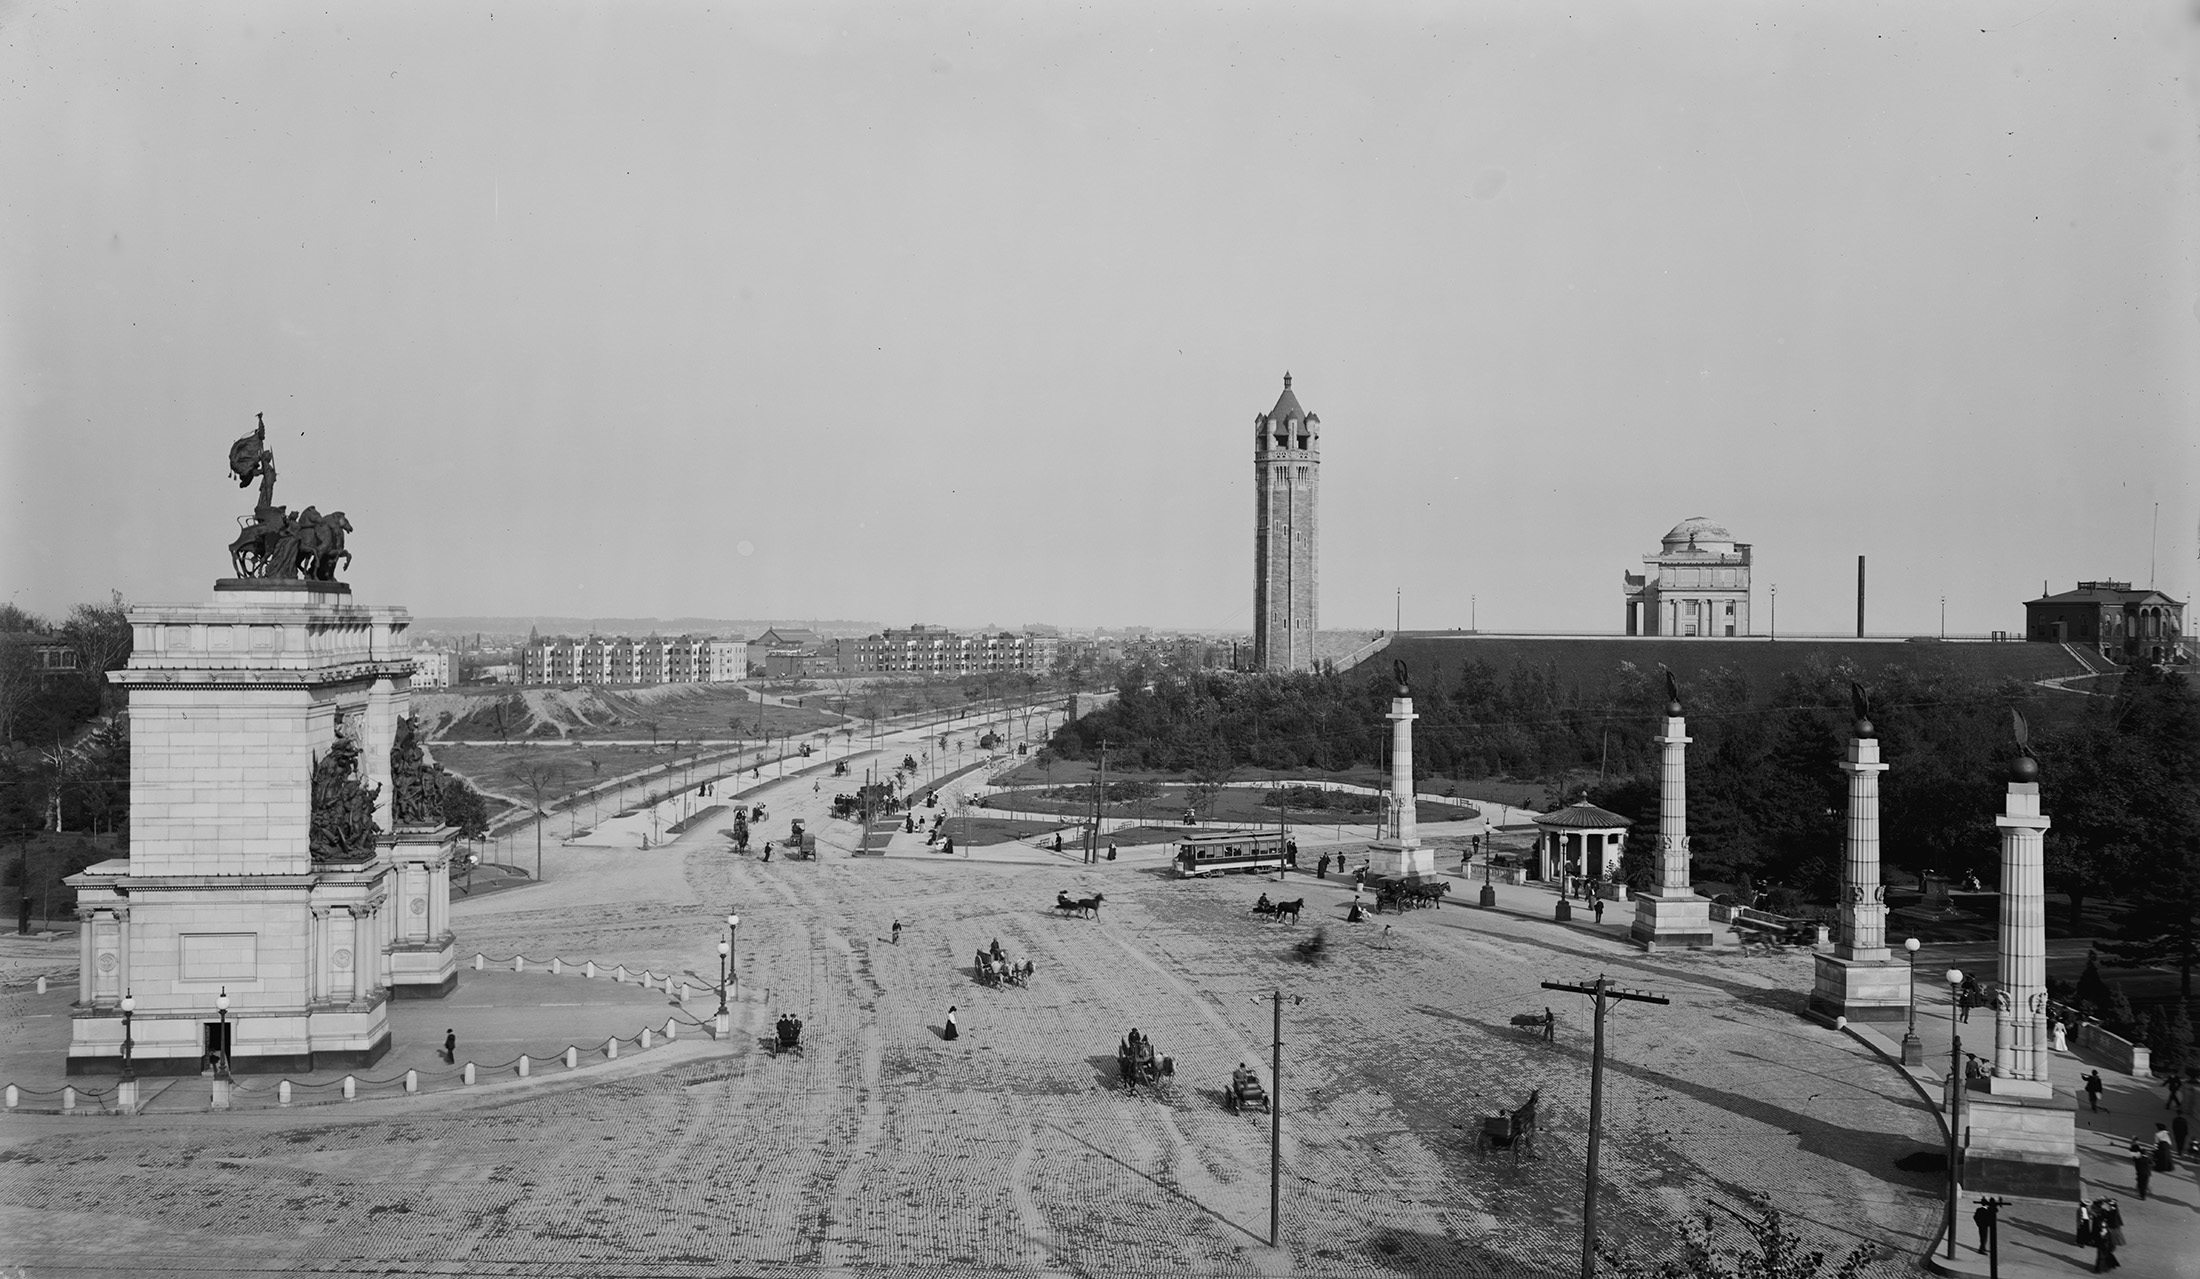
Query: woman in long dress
(2062, 1040)
(949, 1031)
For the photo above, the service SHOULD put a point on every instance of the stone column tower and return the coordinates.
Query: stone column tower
(1858, 980)
(1286, 475)
(2019, 1137)
(1669, 914)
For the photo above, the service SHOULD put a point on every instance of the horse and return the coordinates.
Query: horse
(1089, 905)
(1289, 910)
(322, 545)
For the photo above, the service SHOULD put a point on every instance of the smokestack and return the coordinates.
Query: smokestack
(1859, 597)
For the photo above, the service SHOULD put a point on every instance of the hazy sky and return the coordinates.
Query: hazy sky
(962, 313)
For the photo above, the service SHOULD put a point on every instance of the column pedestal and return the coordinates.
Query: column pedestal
(2022, 1146)
(1876, 991)
(1672, 923)
(1388, 857)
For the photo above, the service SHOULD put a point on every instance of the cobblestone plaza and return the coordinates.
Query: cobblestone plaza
(885, 1149)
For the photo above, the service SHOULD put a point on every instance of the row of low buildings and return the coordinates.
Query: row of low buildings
(789, 652)
(624, 659)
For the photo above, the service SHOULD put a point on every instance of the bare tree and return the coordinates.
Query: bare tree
(541, 778)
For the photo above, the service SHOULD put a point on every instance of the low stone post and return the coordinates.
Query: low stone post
(479, 960)
(412, 1081)
(282, 1093)
(611, 1048)
(519, 963)
(468, 1076)
(68, 1101)
(41, 983)
(220, 1098)
(572, 1057)
(351, 1087)
(645, 1037)
(557, 965)
(523, 1065)
(589, 970)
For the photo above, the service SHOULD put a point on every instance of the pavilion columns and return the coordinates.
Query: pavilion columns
(1670, 915)
(1858, 980)
(2019, 1137)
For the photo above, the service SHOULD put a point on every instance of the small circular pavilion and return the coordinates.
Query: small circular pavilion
(1579, 842)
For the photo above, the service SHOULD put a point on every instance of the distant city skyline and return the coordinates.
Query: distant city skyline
(859, 311)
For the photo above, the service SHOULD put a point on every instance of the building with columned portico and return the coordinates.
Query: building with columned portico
(1697, 583)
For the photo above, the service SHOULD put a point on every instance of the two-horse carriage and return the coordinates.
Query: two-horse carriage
(998, 970)
(1139, 1062)
(1512, 1130)
(1278, 912)
(1397, 895)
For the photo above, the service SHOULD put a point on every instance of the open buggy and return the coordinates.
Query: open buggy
(1513, 1130)
(1244, 1091)
(786, 1036)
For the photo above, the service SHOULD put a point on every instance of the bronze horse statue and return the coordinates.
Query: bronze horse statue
(277, 544)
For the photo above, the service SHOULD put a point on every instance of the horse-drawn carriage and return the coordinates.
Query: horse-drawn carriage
(1512, 1130)
(1139, 1062)
(1408, 894)
(786, 1036)
(1000, 971)
(1279, 911)
(1244, 1091)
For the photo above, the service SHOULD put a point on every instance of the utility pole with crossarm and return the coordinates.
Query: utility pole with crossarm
(1602, 990)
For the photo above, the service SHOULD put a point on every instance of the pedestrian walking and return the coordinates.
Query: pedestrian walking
(949, 1031)
(2164, 1159)
(2142, 1167)
(2175, 1084)
(897, 932)
(450, 1047)
(1057, 841)
(2180, 1131)
(2093, 1089)
(1598, 910)
(1550, 1025)
(2062, 1043)
(2085, 1223)
(1321, 868)
(1984, 1220)
(2108, 1231)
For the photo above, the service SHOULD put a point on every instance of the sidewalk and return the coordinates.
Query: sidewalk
(2039, 1239)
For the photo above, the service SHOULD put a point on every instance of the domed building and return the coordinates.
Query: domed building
(1696, 584)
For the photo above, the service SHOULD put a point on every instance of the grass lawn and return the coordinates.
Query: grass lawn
(571, 768)
(981, 832)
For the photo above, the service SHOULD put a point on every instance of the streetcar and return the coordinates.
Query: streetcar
(1216, 852)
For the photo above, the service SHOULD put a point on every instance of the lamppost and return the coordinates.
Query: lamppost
(1913, 1049)
(733, 945)
(1776, 610)
(725, 969)
(221, 1053)
(126, 1089)
(1955, 1098)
